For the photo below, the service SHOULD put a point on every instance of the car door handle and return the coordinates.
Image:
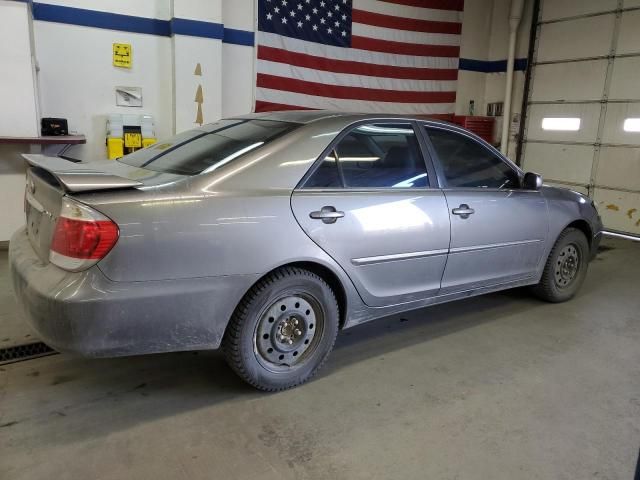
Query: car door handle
(327, 214)
(463, 210)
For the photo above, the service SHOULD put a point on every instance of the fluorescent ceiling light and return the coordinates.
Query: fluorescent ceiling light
(358, 159)
(561, 124)
(632, 125)
(382, 130)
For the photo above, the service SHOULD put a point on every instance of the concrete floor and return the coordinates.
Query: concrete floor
(496, 387)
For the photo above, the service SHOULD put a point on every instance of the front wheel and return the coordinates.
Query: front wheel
(566, 267)
(283, 330)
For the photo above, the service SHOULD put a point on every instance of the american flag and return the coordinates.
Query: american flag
(379, 56)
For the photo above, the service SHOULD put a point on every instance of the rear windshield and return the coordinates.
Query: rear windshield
(196, 151)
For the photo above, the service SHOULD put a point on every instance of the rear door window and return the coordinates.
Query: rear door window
(383, 155)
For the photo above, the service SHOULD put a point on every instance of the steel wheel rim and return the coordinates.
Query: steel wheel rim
(288, 332)
(567, 266)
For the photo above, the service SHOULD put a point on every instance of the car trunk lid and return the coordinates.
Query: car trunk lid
(50, 178)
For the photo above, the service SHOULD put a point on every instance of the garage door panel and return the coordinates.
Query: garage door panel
(619, 210)
(624, 80)
(629, 39)
(614, 131)
(570, 163)
(565, 81)
(553, 9)
(619, 167)
(571, 79)
(583, 38)
(588, 114)
(582, 190)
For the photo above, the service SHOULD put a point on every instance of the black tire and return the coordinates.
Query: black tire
(262, 344)
(562, 277)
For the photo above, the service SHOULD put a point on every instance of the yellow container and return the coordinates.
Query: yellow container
(115, 148)
(148, 141)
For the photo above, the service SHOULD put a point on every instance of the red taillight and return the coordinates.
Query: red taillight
(84, 239)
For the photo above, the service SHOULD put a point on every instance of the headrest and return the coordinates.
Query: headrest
(400, 157)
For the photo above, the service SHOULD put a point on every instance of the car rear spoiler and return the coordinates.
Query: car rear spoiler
(78, 177)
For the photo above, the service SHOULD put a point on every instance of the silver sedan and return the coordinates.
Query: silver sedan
(266, 234)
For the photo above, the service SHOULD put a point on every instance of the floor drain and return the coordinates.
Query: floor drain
(19, 353)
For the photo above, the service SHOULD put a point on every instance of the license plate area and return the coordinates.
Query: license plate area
(34, 218)
(38, 226)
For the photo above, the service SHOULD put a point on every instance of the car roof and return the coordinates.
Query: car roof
(309, 116)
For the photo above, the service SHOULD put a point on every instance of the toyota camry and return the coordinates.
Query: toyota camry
(266, 234)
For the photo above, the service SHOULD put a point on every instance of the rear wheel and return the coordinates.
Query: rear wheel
(283, 330)
(566, 267)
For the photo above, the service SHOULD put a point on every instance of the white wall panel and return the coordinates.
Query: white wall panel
(238, 79)
(570, 163)
(17, 93)
(619, 167)
(588, 114)
(202, 10)
(189, 52)
(238, 61)
(12, 184)
(499, 39)
(554, 9)
(629, 39)
(586, 37)
(474, 41)
(624, 82)
(239, 14)
(569, 81)
(471, 86)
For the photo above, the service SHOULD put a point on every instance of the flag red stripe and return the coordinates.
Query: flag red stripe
(262, 106)
(387, 46)
(356, 68)
(399, 23)
(457, 5)
(352, 93)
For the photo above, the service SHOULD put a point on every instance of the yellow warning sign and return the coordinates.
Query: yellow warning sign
(122, 55)
(132, 140)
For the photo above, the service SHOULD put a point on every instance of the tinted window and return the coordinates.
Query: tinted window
(326, 175)
(198, 151)
(374, 156)
(466, 163)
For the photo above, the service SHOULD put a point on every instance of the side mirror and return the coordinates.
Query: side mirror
(531, 181)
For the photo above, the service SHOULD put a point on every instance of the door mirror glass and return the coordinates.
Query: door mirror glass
(532, 181)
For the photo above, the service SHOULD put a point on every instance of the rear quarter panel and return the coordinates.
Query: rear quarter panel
(236, 220)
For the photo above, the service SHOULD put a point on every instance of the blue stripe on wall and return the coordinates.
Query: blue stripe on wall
(238, 37)
(129, 23)
(196, 28)
(92, 18)
(491, 66)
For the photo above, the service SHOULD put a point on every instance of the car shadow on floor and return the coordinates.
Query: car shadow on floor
(91, 398)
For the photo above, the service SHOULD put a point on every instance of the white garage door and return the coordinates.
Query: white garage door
(583, 115)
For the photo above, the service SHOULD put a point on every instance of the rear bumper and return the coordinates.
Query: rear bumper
(88, 314)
